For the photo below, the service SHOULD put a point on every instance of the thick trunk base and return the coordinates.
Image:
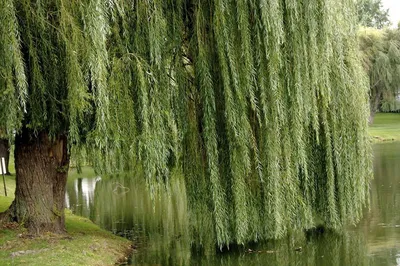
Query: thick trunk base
(41, 168)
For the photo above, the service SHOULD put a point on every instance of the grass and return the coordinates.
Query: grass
(85, 243)
(386, 127)
(10, 185)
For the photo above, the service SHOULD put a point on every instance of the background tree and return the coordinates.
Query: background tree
(371, 14)
(381, 59)
(260, 105)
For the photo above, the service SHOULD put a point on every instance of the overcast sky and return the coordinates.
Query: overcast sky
(394, 10)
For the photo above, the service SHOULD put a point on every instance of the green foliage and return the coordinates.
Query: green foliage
(372, 14)
(13, 81)
(261, 104)
(381, 59)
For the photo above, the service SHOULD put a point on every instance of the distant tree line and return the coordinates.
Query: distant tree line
(372, 14)
(380, 54)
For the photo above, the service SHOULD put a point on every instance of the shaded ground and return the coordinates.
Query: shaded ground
(386, 127)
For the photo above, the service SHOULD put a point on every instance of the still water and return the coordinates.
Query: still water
(161, 226)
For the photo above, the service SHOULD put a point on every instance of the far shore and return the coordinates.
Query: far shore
(386, 127)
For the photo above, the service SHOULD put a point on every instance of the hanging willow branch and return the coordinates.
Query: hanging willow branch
(262, 105)
(381, 59)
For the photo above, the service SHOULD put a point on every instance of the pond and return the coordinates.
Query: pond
(161, 226)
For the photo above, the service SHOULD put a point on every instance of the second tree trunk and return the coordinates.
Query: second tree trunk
(5, 152)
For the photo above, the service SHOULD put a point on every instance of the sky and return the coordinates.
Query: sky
(394, 10)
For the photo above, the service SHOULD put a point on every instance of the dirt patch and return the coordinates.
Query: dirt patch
(9, 226)
(27, 252)
(125, 259)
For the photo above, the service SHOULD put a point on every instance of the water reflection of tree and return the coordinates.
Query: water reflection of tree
(329, 249)
(80, 196)
(385, 188)
(380, 225)
(164, 228)
(124, 205)
(387, 182)
(165, 224)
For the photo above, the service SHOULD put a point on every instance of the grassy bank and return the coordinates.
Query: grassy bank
(85, 243)
(10, 185)
(386, 127)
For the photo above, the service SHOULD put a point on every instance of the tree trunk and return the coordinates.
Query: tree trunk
(41, 166)
(5, 152)
(375, 101)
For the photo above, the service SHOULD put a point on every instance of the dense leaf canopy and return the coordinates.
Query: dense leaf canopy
(261, 104)
(381, 59)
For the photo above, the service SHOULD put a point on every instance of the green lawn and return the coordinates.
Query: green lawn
(85, 243)
(10, 185)
(386, 127)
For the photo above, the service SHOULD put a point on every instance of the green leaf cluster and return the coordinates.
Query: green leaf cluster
(380, 51)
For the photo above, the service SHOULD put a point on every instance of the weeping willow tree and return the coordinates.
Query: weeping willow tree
(381, 59)
(262, 105)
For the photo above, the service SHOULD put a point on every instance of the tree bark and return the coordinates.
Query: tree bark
(375, 101)
(5, 152)
(41, 166)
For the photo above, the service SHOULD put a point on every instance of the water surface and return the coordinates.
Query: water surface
(162, 226)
